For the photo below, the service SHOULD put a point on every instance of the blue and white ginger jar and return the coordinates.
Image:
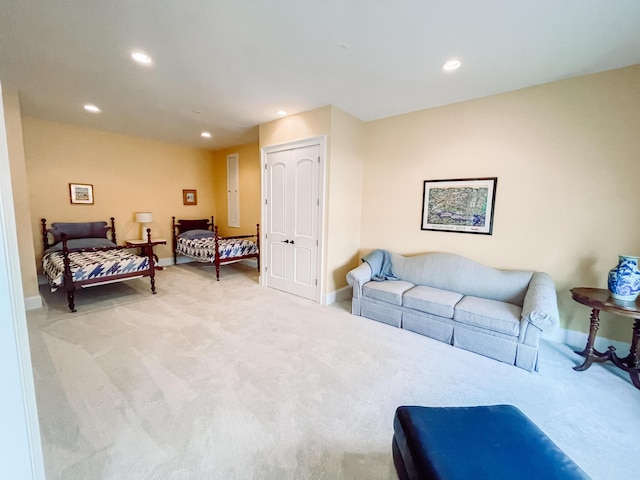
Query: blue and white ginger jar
(624, 279)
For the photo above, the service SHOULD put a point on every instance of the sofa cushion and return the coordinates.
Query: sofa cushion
(431, 300)
(388, 291)
(489, 314)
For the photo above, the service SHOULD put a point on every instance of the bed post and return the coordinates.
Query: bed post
(173, 240)
(152, 263)
(216, 258)
(113, 231)
(45, 236)
(212, 223)
(68, 277)
(258, 244)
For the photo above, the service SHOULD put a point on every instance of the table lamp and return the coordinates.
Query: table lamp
(143, 218)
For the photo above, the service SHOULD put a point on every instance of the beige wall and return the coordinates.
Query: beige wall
(567, 158)
(296, 127)
(128, 174)
(250, 189)
(20, 191)
(344, 203)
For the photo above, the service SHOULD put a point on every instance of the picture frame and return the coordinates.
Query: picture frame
(81, 193)
(189, 197)
(464, 205)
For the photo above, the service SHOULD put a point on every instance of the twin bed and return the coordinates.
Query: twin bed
(85, 254)
(199, 240)
(80, 255)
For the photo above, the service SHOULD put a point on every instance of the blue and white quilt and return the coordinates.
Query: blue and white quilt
(92, 265)
(202, 248)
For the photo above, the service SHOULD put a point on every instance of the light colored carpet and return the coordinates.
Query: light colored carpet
(230, 380)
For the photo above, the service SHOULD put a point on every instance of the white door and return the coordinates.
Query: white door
(292, 211)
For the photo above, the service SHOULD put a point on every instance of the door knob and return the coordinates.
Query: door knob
(285, 241)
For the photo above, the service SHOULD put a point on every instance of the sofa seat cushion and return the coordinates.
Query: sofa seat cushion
(491, 315)
(390, 291)
(431, 300)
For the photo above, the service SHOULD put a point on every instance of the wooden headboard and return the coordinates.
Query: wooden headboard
(182, 226)
(76, 230)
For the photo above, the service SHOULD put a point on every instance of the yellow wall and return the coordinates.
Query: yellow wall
(567, 158)
(20, 191)
(344, 203)
(128, 174)
(296, 127)
(250, 189)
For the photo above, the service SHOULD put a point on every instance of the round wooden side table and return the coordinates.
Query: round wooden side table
(598, 300)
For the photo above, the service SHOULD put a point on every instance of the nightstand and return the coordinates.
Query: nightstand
(142, 244)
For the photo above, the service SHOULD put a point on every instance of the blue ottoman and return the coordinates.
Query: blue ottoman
(494, 442)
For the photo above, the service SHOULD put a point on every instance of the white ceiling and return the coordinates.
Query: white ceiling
(238, 61)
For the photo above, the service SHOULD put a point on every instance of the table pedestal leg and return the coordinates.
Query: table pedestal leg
(590, 353)
(631, 361)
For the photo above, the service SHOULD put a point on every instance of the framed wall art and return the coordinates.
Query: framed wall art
(81, 193)
(189, 197)
(463, 205)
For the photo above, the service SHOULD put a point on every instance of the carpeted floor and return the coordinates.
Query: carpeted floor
(230, 380)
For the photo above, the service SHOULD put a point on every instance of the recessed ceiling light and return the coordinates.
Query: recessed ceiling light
(92, 108)
(142, 58)
(453, 64)
(205, 135)
(281, 113)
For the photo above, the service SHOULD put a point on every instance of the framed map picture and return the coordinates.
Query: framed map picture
(464, 205)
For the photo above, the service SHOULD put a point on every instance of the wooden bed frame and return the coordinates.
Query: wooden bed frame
(181, 226)
(83, 230)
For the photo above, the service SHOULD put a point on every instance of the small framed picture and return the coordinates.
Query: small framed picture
(189, 197)
(81, 193)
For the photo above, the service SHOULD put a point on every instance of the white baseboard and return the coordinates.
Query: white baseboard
(579, 340)
(166, 262)
(33, 303)
(339, 295)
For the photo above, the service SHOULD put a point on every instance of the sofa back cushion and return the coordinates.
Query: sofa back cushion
(459, 274)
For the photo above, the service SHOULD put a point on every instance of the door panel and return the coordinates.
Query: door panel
(277, 203)
(303, 257)
(278, 260)
(304, 197)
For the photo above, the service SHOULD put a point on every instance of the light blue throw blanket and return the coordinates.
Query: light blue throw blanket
(380, 263)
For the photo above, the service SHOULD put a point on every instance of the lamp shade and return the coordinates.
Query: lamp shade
(144, 217)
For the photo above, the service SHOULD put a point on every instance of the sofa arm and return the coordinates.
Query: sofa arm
(358, 277)
(540, 306)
